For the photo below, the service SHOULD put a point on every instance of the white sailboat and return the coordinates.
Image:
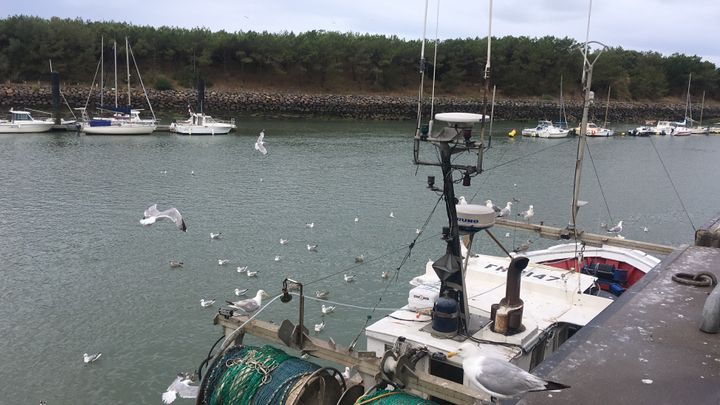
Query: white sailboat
(119, 120)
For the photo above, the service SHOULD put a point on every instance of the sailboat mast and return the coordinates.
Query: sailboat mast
(127, 64)
(688, 110)
(116, 88)
(607, 107)
(702, 107)
(102, 69)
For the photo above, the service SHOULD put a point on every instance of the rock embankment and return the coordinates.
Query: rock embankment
(345, 106)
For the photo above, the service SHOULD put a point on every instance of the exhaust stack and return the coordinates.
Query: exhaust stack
(507, 315)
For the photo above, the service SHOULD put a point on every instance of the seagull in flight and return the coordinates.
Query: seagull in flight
(91, 358)
(617, 228)
(151, 215)
(250, 304)
(327, 309)
(206, 303)
(260, 143)
(392, 214)
(312, 248)
(497, 377)
(180, 387)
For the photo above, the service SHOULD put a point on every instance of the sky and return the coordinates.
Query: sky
(688, 27)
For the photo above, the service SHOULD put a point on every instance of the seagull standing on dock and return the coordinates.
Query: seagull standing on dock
(251, 304)
(527, 215)
(151, 215)
(180, 387)
(497, 377)
(616, 229)
(505, 211)
(260, 143)
(91, 358)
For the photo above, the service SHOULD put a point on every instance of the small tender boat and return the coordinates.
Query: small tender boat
(23, 122)
(202, 124)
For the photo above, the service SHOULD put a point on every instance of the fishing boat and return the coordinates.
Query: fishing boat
(546, 129)
(593, 130)
(202, 124)
(23, 122)
(115, 119)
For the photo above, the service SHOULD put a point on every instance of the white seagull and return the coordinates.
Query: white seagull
(499, 378)
(310, 225)
(91, 358)
(349, 278)
(283, 241)
(359, 259)
(418, 231)
(322, 294)
(357, 219)
(319, 326)
(645, 229)
(222, 262)
(489, 204)
(215, 235)
(392, 214)
(505, 211)
(152, 214)
(240, 292)
(312, 248)
(462, 200)
(523, 247)
(616, 229)
(327, 309)
(206, 303)
(242, 269)
(277, 258)
(180, 387)
(176, 263)
(527, 215)
(252, 273)
(250, 304)
(260, 143)
(385, 274)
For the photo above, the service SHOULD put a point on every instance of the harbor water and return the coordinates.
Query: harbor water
(78, 273)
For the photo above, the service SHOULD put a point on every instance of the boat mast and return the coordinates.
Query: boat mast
(702, 107)
(127, 64)
(102, 69)
(116, 88)
(688, 109)
(607, 107)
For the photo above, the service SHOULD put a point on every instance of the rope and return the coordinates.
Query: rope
(602, 192)
(394, 397)
(699, 279)
(673, 185)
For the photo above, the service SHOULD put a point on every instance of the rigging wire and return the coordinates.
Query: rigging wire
(602, 192)
(673, 186)
(528, 155)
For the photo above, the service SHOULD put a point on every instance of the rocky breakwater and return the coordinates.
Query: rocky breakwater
(344, 106)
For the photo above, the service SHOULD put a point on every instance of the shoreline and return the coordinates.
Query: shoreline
(377, 107)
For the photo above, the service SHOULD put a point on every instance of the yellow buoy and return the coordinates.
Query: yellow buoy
(512, 133)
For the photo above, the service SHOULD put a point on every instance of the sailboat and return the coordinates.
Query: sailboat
(683, 128)
(700, 129)
(119, 120)
(546, 129)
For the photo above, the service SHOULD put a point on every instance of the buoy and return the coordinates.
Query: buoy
(512, 133)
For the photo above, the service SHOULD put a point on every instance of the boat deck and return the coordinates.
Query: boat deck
(646, 348)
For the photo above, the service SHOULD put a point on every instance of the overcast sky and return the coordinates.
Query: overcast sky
(690, 27)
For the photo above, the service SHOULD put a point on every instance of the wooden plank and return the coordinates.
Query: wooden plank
(591, 239)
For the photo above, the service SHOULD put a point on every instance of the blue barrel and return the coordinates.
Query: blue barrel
(445, 315)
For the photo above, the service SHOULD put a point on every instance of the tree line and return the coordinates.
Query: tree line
(340, 62)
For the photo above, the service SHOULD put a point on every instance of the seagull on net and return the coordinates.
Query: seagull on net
(283, 241)
(527, 215)
(240, 292)
(152, 214)
(497, 377)
(215, 235)
(175, 264)
(91, 358)
(260, 143)
(242, 269)
(312, 248)
(319, 326)
(180, 387)
(616, 229)
(505, 211)
(327, 309)
(250, 304)
(489, 204)
(206, 303)
(222, 262)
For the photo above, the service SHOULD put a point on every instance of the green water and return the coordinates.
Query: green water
(80, 274)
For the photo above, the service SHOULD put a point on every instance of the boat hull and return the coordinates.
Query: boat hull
(119, 130)
(201, 129)
(15, 128)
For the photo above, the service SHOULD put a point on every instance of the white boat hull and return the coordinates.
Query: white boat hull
(17, 128)
(201, 129)
(119, 129)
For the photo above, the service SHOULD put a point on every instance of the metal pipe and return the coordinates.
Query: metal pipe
(711, 313)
